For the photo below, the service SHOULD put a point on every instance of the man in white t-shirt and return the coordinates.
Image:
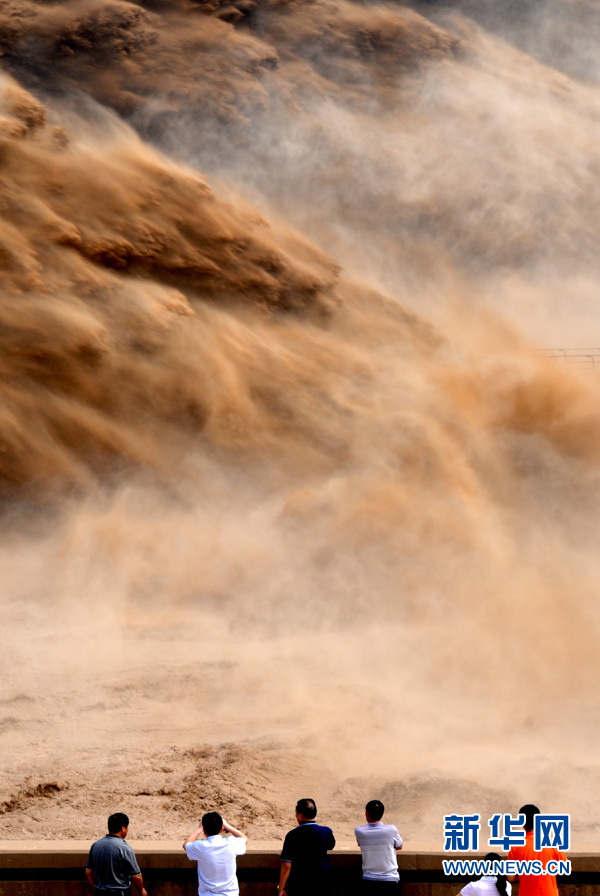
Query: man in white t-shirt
(379, 844)
(216, 855)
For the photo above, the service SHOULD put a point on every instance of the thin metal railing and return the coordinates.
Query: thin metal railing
(575, 357)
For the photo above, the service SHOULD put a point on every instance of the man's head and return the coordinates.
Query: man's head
(529, 811)
(212, 823)
(374, 810)
(306, 810)
(118, 824)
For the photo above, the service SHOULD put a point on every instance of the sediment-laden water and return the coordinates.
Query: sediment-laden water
(292, 501)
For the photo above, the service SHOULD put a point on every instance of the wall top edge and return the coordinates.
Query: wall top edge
(170, 847)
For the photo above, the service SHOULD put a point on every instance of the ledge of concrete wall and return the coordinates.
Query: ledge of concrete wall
(168, 872)
(71, 854)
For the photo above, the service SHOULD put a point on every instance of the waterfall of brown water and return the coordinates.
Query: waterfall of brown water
(282, 466)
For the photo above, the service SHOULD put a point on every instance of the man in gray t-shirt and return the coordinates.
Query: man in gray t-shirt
(112, 868)
(379, 844)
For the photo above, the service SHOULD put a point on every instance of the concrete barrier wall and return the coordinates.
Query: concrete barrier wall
(56, 869)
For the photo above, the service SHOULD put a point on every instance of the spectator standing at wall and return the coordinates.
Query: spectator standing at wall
(112, 868)
(216, 855)
(304, 862)
(379, 844)
(531, 884)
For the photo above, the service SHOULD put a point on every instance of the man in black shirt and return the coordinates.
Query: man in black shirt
(304, 863)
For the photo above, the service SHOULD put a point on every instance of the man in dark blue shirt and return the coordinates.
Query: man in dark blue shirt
(304, 863)
(112, 868)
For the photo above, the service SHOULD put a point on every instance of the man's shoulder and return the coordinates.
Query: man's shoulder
(105, 842)
(127, 847)
(95, 847)
(308, 830)
(322, 830)
(378, 830)
(236, 845)
(117, 844)
(209, 844)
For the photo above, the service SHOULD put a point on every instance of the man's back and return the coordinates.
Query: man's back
(306, 848)
(530, 884)
(216, 863)
(113, 864)
(378, 844)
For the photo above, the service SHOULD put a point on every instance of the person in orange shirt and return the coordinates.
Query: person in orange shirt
(531, 884)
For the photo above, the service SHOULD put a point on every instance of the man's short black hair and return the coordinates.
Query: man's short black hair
(116, 822)
(307, 808)
(212, 823)
(375, 809)
(529, 810)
